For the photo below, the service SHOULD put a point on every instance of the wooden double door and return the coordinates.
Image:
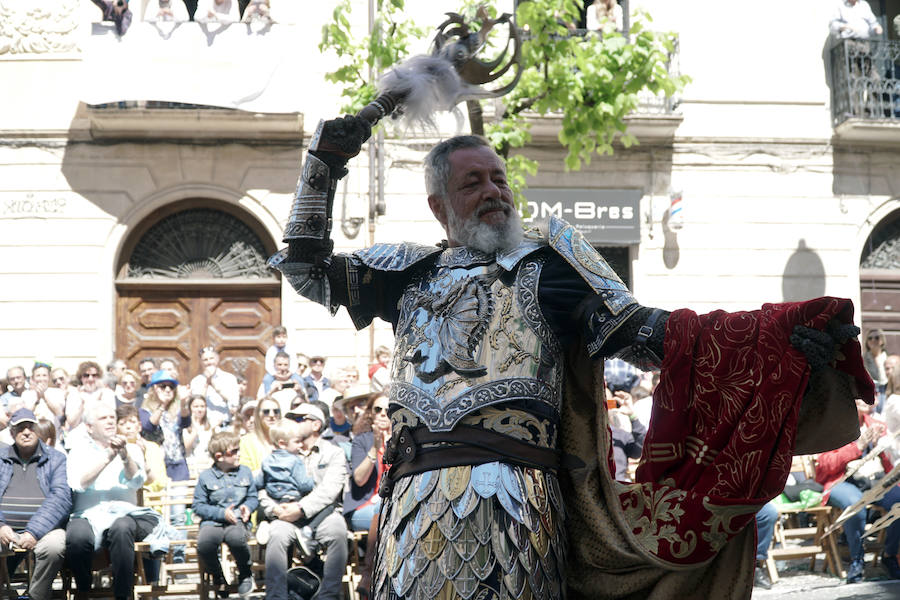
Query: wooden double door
(163, 322)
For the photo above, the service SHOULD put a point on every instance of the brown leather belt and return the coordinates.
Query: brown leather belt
(410, 451)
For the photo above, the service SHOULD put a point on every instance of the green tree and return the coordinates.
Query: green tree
(591, 81)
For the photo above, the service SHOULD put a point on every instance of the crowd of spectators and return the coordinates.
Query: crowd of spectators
(123, 12)
(305, 451)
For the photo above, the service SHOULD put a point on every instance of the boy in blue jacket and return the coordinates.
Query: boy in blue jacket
(224, 498)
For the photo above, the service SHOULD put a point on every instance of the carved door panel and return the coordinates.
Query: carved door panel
(177, 324)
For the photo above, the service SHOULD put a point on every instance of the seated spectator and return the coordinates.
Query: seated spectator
(328, 466)
(302, 368)
(105, 473)
(765, 528)
(81, 398)
(128, 425)
(196, 436)
(841, 492)
(128, 384)
(46, 431)
(316, 380)
(256, 445)
(162, 419)
(282, 383)
(620, 375)
(362, 504)
(224, 498)
(35, 502)
(628, 433)
(169, 366)
(243, 421)
(116, 11)
(114, 370)
(221, 11)
(59, 378)
(219, 387)
(284, 478)
(339, 426)
(342, 381)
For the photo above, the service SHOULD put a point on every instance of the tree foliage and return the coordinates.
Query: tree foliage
(590, 81)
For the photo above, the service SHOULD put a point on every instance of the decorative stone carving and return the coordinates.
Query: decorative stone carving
(29, 27)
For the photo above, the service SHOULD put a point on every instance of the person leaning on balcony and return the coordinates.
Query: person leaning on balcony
(116, 11)
(854, 19)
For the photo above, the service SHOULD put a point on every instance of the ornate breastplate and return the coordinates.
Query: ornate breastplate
(470, 335)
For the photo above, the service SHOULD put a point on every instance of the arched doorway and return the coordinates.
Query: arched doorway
(879, 279)
(194, 275)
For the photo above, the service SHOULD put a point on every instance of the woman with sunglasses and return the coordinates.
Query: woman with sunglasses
(130, 382)
(163, 417)
(90, 390)
(874, 358)
(362, 504)
(256, 445)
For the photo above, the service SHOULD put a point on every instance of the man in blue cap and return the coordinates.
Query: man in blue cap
(35, 501)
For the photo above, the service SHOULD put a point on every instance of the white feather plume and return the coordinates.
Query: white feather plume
(427, 84)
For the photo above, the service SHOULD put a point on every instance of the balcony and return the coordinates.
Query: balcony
(865, 90)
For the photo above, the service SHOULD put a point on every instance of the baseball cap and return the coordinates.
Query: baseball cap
(307, 410)
(162, 376)
(23, 415)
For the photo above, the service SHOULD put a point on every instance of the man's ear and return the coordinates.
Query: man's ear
(437, 205)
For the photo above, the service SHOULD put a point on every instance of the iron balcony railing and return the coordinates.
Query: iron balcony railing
(865, 80)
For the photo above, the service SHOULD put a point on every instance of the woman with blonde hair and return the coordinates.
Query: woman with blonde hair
(256, 445)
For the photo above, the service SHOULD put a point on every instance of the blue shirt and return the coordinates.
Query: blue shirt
(216, 490)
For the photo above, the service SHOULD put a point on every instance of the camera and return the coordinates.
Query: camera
(287, 384)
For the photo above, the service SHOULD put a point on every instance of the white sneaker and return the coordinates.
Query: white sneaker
(306, 542)
(246, 586)
(262, 533)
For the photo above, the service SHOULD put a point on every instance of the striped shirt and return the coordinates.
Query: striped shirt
(23, 495)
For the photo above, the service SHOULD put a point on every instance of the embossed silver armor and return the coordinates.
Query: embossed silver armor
(310, 217)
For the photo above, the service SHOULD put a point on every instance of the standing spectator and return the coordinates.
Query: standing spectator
(281, 379)
(854, 19)
(362, 504)
(147, 367)
(35, 500)
(874, 358)
(59, 378)
(219, 387)
(256, 445)
(114, 370)
(628, 433)
(129, 386)
(279, 344)
(90, 391)
(380, 370)
(163, 419)
(225, 497)
(328, 466)
(40, 398)
(105, 473)
(116, 11)
(316, 378)
(221, 11)
(12, 398)
(168, 365)
(302, 365)
(342, 381)
(196, 436)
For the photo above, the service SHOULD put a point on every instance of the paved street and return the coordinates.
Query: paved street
(800, 584)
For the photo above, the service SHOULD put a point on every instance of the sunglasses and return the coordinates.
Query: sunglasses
(166, 386)
(317, 361)
(271, 412)
(59, 379)
(379, 409)
(90, 376)
(231, 452)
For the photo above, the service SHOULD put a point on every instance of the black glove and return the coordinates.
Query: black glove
(821, 347)
(341, 140)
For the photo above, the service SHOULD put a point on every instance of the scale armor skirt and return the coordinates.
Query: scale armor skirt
(493, 531)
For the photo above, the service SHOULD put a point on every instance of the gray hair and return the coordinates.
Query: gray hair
(90, 411)
(437, 162)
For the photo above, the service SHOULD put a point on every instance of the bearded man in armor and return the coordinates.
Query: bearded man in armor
(500, 482)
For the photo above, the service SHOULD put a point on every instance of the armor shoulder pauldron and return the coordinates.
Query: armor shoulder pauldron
(590, 265)
(394, 257)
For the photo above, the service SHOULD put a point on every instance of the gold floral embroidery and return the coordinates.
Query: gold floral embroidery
(654, 514)
(720, 521)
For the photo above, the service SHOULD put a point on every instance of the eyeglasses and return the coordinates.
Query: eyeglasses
(59, 379)
(90, 375)
(129, 382)
(378, 409)
(231, 452)
(271, 412)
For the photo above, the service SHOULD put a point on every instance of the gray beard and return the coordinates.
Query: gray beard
(473, 233)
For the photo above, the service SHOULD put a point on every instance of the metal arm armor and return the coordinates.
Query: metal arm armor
(310, 218)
